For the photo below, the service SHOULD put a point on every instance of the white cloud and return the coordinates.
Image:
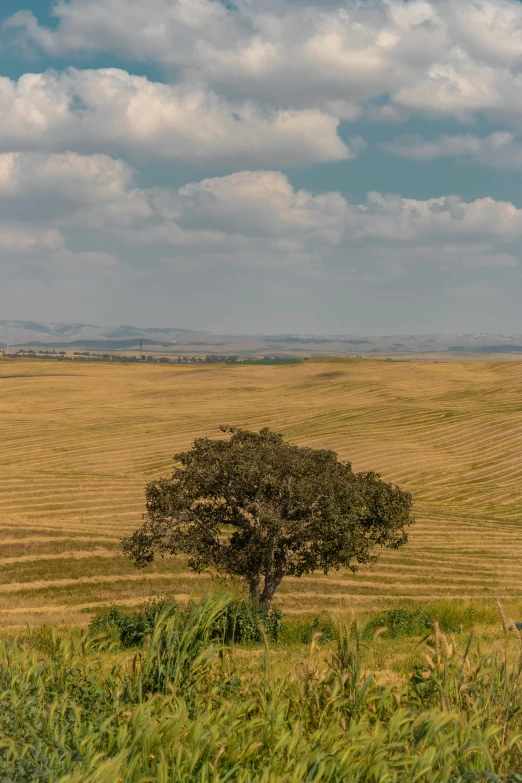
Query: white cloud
(490, 30)
(249, 88)
(250, 218)
(439, 219)
(109, 109)
(14, 239)
(501, 149)
(455, 57)
(130, 28)
(78, 177)
(69, 189)
(263, 203)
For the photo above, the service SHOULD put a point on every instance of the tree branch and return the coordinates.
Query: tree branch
(238, 512)
(239, 517)
(211, 535)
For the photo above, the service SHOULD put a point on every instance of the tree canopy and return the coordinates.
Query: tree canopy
(257, 507)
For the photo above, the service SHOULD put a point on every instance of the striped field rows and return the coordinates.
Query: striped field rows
(80, 442)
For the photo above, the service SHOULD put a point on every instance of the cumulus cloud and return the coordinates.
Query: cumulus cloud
(249, 88)
(79, 178)
(455, 57)
(111, 110)
(263, 202)
(262, 205)
(247, 219)
(390, 217)
(69, 189)
(501, 149)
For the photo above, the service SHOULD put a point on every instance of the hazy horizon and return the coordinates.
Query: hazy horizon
(114, 331)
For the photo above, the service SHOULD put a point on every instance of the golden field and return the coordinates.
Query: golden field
(79, 443)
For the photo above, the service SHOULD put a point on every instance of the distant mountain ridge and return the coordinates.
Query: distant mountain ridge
(32, 333)
(55, 335)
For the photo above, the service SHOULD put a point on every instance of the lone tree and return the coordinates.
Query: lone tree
(256, 507)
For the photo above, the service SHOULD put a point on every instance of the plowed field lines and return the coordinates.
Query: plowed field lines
(77, 449)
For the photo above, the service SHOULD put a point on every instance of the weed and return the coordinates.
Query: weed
(187, 710)
(399, 622)
(243, 623)
(129, 627)
(303, 630)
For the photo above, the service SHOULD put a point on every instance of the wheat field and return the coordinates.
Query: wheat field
(79, 443)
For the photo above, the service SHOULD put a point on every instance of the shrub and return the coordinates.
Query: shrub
(129, 627)
(244, 623)
(239, 623)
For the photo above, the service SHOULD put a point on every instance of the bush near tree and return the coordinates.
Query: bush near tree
(256, 507)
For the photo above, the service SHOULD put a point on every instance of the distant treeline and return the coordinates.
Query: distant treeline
(99, 345)
(87, 356)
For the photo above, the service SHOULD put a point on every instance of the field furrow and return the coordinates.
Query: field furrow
(79, 447)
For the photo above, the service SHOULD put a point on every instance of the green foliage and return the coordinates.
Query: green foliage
(245, 623)
(49, 709)
(240, 622)
(304, 630)
(399, 622)
(411, 620)
(129, 627)
(455, 616)
(255, 507)
(179, 655)
(187, 710)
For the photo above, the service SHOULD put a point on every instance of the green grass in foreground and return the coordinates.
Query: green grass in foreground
(186, 707)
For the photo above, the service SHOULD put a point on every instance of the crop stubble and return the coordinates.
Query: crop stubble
(80, 443)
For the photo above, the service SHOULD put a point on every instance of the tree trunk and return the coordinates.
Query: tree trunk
(272, 582)
(255, 590)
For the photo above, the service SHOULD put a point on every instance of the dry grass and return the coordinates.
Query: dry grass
(80, 442)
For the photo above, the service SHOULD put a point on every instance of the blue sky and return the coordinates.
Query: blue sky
(324, 167)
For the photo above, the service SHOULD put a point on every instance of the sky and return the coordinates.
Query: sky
(263, 166)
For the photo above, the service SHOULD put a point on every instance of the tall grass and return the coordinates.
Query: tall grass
(186, 708)
(410, 618)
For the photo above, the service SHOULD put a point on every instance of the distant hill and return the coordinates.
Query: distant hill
(498, 348)
(123, 332)
(33, 334)
(60, 335)
(99, 345)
